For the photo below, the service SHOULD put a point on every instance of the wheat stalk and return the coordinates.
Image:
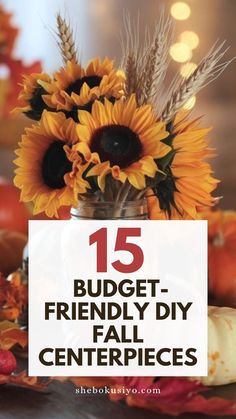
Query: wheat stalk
(157, 58)
(66, 42)
(131, 74)
(132, 55)
(145, 65)
(208, 70)
(129, 55)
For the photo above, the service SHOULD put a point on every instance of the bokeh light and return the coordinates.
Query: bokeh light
(190, 38)
(4, 72)
(99, 9)
(180, 52)
(180, 10)
(187, 69)
(190, 103)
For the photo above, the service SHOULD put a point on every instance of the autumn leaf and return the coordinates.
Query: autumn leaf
(214, 406)
(177, 395)
(86, 381)
(11, 337)
(13, 297)
(8, 325)
(23, 380)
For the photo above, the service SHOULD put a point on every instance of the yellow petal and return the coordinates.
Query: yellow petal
(84, 149)
(83, 132)
(52, 123)
(137, 180)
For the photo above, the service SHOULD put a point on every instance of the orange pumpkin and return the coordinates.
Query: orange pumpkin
(14, 214)
(12, 244)
(222, 256)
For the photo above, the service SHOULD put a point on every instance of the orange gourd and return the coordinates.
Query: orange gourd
(12, 244)
(222, 256)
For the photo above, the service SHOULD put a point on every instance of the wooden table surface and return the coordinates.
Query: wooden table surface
(59, 401)
(62, 403)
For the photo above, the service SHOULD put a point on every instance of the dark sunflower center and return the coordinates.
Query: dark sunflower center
(92, 81)
(118, 144)
(73, 113)
(55, 165)
(37, 104)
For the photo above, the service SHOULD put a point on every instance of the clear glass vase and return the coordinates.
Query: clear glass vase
(99, 210)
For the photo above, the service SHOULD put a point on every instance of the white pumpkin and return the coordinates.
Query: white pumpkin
(221, 346)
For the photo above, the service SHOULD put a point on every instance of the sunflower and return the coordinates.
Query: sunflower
(76, 178)
(127, 139)
(189, 183)
(45, 174)
(31, 95)
(74, 87)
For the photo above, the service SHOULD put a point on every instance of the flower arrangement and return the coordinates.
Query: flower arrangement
(111, 135)
(107, 134)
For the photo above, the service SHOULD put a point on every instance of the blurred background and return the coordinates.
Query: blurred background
(97, 25)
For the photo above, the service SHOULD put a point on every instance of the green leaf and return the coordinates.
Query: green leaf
(165, 161)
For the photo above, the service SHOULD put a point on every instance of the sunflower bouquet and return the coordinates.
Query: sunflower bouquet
(112, 135)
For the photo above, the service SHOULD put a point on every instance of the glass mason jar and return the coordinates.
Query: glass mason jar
(98, 210)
